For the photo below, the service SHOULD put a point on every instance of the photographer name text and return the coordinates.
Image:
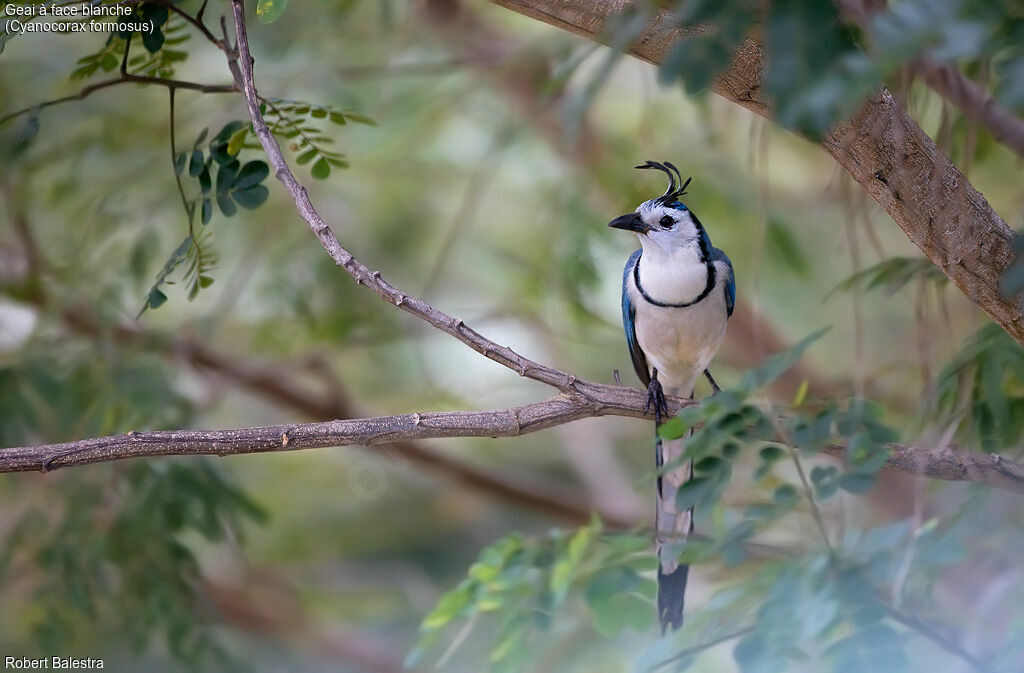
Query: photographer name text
(51, 663)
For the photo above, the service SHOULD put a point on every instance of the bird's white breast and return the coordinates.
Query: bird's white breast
(679, 341)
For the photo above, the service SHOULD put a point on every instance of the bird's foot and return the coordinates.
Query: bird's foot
(656, 400)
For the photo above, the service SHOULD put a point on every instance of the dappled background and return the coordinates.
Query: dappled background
(500, 149)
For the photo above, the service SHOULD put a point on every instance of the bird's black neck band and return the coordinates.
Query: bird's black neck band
(712, 273)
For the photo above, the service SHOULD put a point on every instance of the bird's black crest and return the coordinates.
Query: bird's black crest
(676, 186)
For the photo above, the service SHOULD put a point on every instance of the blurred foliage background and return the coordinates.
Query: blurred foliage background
(500, 149)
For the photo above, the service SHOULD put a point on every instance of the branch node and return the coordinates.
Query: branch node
(514, 413)
(285, 439)
(416, 419)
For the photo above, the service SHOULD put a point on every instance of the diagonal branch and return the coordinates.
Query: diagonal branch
(881, 147)
(949, 82)
(972, 99)
(503, 355)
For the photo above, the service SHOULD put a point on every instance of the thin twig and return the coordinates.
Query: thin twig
(123, 79)
(697, 649)
(196, 21)
(819, 519)
(931, 633)
(189, 210)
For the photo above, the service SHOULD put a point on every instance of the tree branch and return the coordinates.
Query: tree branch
(950, 465)
(125, 78)
(947, 81)
(881, 147)
(503, 355)
(601, 400)
(277, 385)
(990, 469)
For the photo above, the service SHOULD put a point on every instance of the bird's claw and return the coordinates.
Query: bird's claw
(656, 400)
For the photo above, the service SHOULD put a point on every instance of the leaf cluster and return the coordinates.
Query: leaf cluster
(299, 124)
(520, 582)
(113, 556)
(985, 380)
(160, 59)
(820, 67)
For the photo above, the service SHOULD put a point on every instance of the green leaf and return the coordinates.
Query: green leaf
(156, 298)
(709, 465)
(321, 169)
(226, 205)
(236, 141)
(307, 156)
(153, 39)
(251, 198)
(359, 119)
(268, 11)
(250, 174)
(891, 275)
(205, 183)
(777, 364)
(819, 473)
(785, 494)
(856, 483)
(693, 492)
(195, 164)
(452, 604)
(207, 211)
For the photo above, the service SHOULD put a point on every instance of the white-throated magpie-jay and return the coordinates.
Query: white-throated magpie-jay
(678, 293)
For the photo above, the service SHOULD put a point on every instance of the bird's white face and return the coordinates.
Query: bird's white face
(667, 227)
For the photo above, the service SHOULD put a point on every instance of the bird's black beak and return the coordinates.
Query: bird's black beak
(630, 222)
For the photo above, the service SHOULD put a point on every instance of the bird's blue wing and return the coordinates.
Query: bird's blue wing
(628, 323)
(730, 281)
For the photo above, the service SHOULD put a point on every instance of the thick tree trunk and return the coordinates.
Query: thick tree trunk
(881, 147)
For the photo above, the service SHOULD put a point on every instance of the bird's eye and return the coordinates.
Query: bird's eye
(667, 222)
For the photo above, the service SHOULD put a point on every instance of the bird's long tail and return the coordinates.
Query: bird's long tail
(672, 527)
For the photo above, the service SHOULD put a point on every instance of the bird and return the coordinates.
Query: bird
(678, 293)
